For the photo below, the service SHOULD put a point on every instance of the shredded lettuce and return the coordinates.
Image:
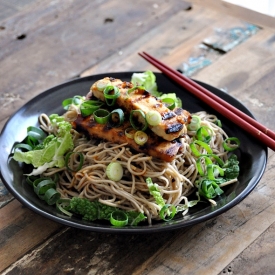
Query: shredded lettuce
(177, 100)
(155, 192)
(147, 79)
(49, 153)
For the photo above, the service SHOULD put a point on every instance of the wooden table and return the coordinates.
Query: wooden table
(49, 42)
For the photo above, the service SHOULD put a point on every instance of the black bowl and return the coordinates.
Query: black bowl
(252, 155)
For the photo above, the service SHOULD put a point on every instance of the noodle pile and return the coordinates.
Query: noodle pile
(175, 180)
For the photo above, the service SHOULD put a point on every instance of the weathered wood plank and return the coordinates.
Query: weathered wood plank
(258, 258)
(208, 247)
(57, 41)
(80, 252)
(251, 16)
(249, 76)
(21, 230)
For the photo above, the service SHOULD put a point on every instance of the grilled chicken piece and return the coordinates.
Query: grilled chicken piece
(155, 146)
(173, 124)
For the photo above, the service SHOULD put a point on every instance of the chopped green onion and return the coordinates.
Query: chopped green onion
(52, 196)
(111, 93)
(116, 118)
(114, 171)
(135, 88)
(140, 137)
(204, 134)
(217, 159)
(80, 164)
(76, 100)
(102, 84)
(63, 205)
(36, 133)
(88, 107)
(118, 218)
(34, 137)
(169, 102)
(228, 146)
(130, 132)
(209, 189)
(167, 212)
(196, 152)
(207, 161)
(30, 180)
(194, 124)
(101, 116)
(142, 117)
(23, 146)
(153, 118)
(212, 169)
(41, 186)
(219, 123)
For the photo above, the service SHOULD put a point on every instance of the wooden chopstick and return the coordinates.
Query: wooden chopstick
(244, 121)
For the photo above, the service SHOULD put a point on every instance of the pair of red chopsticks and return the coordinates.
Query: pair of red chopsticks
(265, 135)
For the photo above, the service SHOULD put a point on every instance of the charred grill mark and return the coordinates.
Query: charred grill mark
(126, 85)
(178, 111)
(168, 115)
(176, 127)
(155, 146)
(142, 96)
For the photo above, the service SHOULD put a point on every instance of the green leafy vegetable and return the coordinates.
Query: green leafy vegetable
(155, 192)
(177, 100)
(231, 167)
(146, 79)
(49, 153)
(94, 210)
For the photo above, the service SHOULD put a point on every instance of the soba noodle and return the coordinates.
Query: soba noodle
(175, 180)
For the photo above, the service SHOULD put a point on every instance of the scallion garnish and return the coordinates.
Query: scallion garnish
(63, 205)
(219, 123)
(204, 133)
(45, 188)
(24, 146)
(143, 124)
(194, 124)
(102, 84)
(130, 132)
(140, 137)
(101, 116)
(167, 212)
(213, 171)
(116, 118)
(88, 107)
(42, 185)
(76, 100)
(80, 162)
(114, 171)
(209, 189)
(195, 150)
(231, 144)
(169, 103)
(135, 88)
(199, 166)
(111, 93)
(153, 118)
(52, 196)
(119, 218)
(36, 133)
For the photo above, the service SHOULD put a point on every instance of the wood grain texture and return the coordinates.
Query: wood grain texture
(229, 244)
(56, 41)
(21, 231)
